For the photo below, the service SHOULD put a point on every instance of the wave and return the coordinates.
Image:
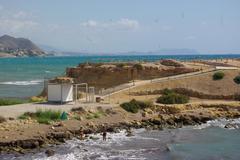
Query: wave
(22, 83)
(219, 123)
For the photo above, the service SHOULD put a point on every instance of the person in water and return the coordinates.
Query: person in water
(104, 135)
(81, 134)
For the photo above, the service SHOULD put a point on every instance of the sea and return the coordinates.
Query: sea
(210, 141)
(24, 77)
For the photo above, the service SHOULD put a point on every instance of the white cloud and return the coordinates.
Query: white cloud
(127, 23)
(89, 23)
(16, 25)
(123, 23)
(15, 22)
(20, 15)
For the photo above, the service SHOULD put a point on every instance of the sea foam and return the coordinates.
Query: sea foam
(22, 83)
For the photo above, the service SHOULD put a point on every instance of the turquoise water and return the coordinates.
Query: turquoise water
(23, 77)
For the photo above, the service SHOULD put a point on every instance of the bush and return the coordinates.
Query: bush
(237, 79)
(120, 65)
(8, 102)
(170, 97)
(134, 105)
(138, 66)
(218, 75)
(35, 99)
(95, 115)
(44, 117)
(167, 91)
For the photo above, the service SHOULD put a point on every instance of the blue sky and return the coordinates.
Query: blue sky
(209, 26)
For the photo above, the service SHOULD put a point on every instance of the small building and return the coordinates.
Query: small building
(60, 90)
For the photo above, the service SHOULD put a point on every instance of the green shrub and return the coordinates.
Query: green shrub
(237, 79)
(218, 75)
(167, 91)
(95, 115)
(120, 65)
(35, 99)
(8, 102)
(43, 116)
(49, 114)
(43, 121)
(169, 97)
(138, 66)
(134, 105)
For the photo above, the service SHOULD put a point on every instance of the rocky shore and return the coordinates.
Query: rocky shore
(36, 136)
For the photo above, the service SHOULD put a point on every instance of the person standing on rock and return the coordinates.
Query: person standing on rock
(104, 136)
(81, 134)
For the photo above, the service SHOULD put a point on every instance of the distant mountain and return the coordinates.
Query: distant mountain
(181, 51)
(18, 47)
(177, 51)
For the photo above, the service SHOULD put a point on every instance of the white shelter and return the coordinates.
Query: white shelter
(60, 89)
(60, 93)
(63, 90)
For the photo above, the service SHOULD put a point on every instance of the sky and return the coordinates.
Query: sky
(208, 26)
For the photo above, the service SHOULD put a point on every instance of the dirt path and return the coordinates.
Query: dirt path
(131, 85)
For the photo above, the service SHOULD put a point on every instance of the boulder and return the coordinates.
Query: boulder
(50, 152)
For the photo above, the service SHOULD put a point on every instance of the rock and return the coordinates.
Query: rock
(29, 144)
(148, 110)
(93, 138)
(50, 152)
(129, 133)
(144, 114)
(59, 124)
(11, 118)
(110, 111)
(231, 126)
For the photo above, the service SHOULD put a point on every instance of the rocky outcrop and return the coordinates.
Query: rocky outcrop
(157, 118)
(110, 75)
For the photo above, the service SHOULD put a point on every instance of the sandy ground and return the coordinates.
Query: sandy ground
(198, 82)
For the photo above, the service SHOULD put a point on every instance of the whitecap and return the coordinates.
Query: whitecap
(48, 71)
(218, 123)
(22, 83)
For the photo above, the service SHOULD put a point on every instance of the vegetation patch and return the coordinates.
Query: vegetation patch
(218, 76)
(134, 105)
(8, 102)
(237, 79)
(45, 117)
(138, 66)
(120, 65)
(35, 99)
(95, 115)
(170, 97)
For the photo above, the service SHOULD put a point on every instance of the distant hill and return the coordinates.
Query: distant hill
(18, 47)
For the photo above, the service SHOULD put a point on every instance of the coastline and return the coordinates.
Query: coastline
(23, 136)
(36, 136)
